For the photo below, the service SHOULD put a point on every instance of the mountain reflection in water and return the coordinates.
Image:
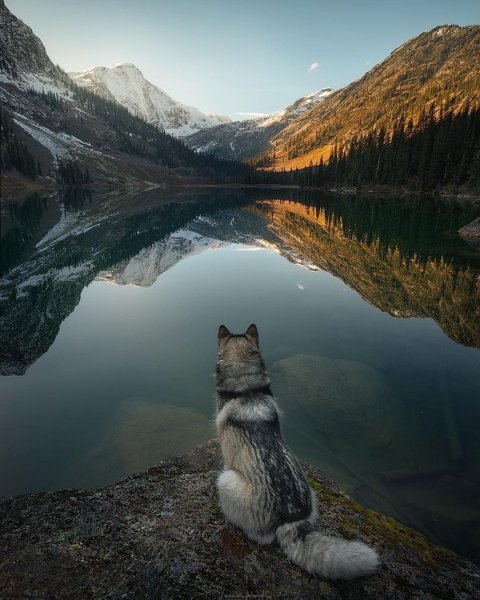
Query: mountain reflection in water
(368, 310)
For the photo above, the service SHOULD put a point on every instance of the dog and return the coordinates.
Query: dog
(262, 489)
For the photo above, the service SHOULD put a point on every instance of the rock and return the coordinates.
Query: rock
(140, 434)
(160, 534)
(355, 414)
(471, 233)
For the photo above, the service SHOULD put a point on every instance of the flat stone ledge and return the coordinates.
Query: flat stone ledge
(161, 535)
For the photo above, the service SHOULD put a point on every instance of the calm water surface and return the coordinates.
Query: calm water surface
(369, 317)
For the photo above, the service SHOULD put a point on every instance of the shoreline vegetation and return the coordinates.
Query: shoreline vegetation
(161, 531)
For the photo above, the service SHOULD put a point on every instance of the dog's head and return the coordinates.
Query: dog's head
(240, 341)
(238, 352)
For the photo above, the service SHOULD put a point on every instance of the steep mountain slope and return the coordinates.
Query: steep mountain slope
(56, 123)
(126, 85)
(441, 66)
(243, 139)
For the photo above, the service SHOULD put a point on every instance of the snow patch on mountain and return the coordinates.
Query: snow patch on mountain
(126, 84)
(61, 145)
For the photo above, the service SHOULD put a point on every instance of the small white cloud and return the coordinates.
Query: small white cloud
(251, 114)
(367, 62)
(313, 66)
(300, 286)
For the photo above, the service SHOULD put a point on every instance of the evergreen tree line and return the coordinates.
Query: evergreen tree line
(51, 99)
(70, 173)
(18, 239)
(14, 153)
(442, 150)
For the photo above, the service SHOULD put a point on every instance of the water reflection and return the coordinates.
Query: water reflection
(23, 224)
(405, 260)
(354, 299)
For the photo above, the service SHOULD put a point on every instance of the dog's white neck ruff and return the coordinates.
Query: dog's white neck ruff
(238, 409)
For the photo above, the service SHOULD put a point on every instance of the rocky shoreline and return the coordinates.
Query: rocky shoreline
(471, 233)
(160, 534)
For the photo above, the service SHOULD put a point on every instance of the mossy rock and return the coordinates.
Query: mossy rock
(161, 535)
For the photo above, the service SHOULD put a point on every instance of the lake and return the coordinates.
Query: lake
(368, 311)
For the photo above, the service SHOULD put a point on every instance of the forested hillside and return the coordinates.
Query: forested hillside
(440, 67)
(437, 153)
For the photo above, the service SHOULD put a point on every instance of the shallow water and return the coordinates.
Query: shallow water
(369, 318)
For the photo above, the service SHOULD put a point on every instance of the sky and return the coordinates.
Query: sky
(236, 58)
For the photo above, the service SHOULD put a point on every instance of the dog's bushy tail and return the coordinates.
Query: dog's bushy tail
(323, 555)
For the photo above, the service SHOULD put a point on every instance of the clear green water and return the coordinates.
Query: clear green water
(369, 317)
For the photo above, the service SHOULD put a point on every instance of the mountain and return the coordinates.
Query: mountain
(23, 58)
(243, 139)
(441, 66)
(126, 85)
(21, 50)
(53, 129)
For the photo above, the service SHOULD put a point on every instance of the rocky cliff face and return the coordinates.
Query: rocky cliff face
(471, 233)
(20, 49)
(160, 534)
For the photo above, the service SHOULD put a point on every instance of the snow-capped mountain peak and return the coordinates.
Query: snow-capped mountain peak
(298, 107)
(126, 84)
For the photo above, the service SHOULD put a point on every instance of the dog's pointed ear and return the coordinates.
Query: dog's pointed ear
(252, 333)
(223, 333)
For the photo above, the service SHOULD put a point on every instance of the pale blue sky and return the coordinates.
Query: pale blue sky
(229, 56)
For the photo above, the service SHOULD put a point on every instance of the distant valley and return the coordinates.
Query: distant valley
(244, 139)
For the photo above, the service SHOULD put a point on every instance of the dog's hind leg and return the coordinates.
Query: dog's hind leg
(241, 508)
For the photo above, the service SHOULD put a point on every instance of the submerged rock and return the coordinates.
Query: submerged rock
(160, 534)
(350, 408)
(140, 434)
(396, 454)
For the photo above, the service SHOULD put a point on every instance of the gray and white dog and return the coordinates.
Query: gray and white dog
(262, 489)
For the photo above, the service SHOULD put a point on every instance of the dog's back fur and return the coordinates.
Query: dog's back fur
(262, 489)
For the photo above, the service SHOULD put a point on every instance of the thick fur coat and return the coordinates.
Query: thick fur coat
(262, 489)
